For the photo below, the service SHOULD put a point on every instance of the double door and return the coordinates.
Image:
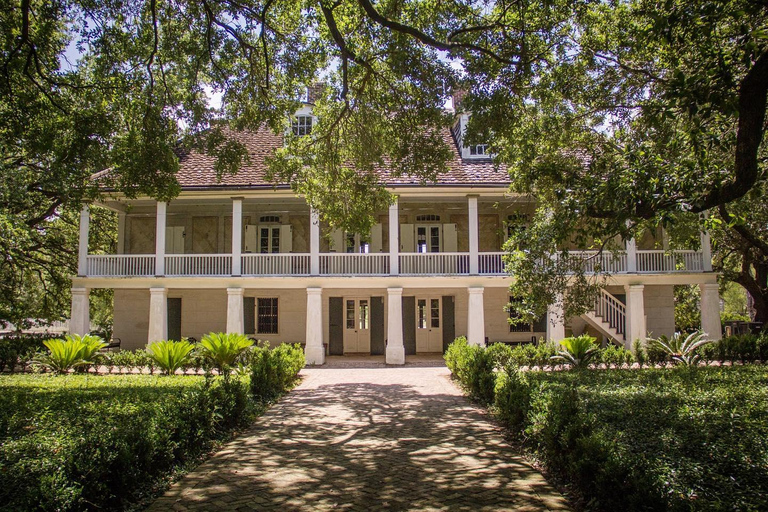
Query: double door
(429, 324)
(357, 325)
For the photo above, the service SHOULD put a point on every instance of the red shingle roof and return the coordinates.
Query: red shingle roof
(196, 170)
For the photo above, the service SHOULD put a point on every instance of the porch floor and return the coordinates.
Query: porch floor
(368, 361)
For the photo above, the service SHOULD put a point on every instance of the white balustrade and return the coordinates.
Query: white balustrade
(611, 310)
(198, 264)
(275, 264)
(663, 261)
(492, 263)
(436, 263)
(354, 264)
(597, 261)
(117, 265)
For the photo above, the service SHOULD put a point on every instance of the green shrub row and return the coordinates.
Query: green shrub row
(79, 442)
(17, 350)
(687, 438)
(88, 442)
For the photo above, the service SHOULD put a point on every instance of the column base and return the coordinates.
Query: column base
(314, 355)
(395, 355)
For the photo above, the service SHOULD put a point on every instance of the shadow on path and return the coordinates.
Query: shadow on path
(359, 439)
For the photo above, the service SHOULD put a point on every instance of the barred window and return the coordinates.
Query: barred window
(302, 125)
(513, 315)
(266, 316)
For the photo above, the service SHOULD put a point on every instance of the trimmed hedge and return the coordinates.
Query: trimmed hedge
(82, 442)
(274, 371)
(640, 439)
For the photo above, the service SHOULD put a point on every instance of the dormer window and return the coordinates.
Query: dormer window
(301, 125)
(478, 150)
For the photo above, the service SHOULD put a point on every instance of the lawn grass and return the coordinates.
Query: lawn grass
(80, 442)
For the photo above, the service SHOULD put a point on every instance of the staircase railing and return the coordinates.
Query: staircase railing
(612, 311)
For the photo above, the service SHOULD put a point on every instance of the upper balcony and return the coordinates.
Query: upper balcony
(237, 237)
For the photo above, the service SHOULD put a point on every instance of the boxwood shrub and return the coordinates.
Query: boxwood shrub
(637, 439)
(86, 442)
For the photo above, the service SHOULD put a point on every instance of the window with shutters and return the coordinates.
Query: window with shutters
(517, 327)
(269, 239)
(266, 315)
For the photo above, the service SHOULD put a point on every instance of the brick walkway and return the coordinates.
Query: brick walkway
(366, 439)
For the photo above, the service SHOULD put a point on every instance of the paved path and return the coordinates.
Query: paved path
(367, 439)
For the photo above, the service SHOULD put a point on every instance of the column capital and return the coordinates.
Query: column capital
(79, 290)
(476, 290)
(634, 287)
(237, 198)
(235, 290)
(314, 290)
(710, 287)
(473, 196)
(158, 289)
(395, 290)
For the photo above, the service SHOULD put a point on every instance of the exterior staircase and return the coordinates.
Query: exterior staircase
(609, 317)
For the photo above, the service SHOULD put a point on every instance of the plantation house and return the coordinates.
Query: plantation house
(244, 255)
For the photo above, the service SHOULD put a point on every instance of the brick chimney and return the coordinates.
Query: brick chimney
(314, 91)
(458, 100)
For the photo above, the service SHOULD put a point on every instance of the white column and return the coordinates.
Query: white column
(82, 253)
(556, 321)
(476, 316)
(631, 255)
(394, 239)
(79, 319)
(474, 242)
(158, 315)
(706, 249)
(120, 232)
(160, 239)
(395, 346)
(314, 352)
(314, 243)
(235, 317)
(237, 236)
(635, 328)
(710, 311)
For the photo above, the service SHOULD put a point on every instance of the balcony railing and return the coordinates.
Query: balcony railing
(275, 264)
(411, 264)
(343, 264)
(436, 263)
(110, 265)
(662, 261)
(198, 264)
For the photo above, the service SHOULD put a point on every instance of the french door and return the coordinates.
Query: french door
(357, 325)
(429, 324)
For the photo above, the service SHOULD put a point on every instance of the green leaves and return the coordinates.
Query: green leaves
(224, 349)
(71, 352)
(683, 350)
(170, 355)
(577, 351)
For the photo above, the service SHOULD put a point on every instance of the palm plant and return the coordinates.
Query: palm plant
(683, 351)
(170, 355)
(70, 352)
(224, 349)
(577, 351)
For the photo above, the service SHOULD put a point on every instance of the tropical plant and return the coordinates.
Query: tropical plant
(683, 351)
(223, 349)
(71, 352)
(577, 351)
(170, 355)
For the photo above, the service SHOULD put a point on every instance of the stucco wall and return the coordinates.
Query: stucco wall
(132, 318)
(659, 309)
